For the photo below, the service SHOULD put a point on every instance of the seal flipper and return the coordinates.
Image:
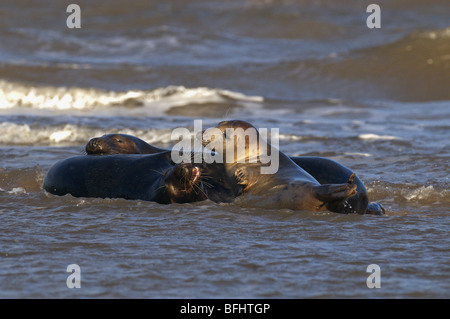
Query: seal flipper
(334, 196)
(242, 176)
(246, 176)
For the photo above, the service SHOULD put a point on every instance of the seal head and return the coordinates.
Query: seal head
(119, 144)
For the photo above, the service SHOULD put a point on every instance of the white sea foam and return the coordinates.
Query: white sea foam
(17, 191)
(424, 192)
(16, 95)
(289, 137)
(374, 137)
(17, 134)
(24, 134)
(358, 154)
(59, 136)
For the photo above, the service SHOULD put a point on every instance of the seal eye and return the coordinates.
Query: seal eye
(118, 140)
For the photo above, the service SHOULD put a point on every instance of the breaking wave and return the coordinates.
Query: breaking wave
(410, 194)
(17, 95)
(69, 134)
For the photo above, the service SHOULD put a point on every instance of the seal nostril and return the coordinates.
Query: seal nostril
(93, 146)
(93, 142)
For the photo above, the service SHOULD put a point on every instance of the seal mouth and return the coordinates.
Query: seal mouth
(195, 174)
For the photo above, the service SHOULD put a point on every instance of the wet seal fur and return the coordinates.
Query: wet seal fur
(119, 144)
(290, 187)
(324, 170)
(327, 171)
(150, 177)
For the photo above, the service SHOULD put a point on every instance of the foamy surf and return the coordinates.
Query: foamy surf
(17, 95)
(376, 137)
(425, 193)
(70, 134)
(413, 194)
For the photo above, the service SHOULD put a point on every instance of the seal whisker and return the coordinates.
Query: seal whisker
(195, 186)
(156, 171)
(209, 185)
(206, 176)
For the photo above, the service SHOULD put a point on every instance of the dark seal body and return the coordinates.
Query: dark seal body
(151, 177)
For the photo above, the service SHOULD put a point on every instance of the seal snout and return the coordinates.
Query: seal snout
(93, 146)
(195, 174)
(186, 173)
(191, 173)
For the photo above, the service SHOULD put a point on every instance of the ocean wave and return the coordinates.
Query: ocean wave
(414, 67)
(421, 193)
(422, 47)
(417, 65)
(376, 137)
(426, 195)
(409, 194)
(17, 95)
(70, 134)
(56, 45)
(21, 181)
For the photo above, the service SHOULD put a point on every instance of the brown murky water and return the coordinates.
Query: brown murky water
(376, 101)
